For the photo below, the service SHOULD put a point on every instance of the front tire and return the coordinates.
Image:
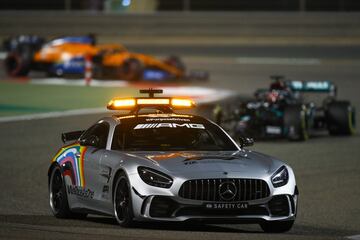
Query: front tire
(276, 226)
(58, 198)
(122, 202)
(295, 123)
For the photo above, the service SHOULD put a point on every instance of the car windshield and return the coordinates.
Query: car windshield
(171, 136)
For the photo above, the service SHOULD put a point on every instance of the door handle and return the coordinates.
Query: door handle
(77, 154)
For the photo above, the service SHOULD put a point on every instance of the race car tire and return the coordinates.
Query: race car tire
(340, 118)
(122, 201)
(276, 226)
(295, 122)
(176, 62)
(132, 69)
(58, 196)
(16, 65)
(98, 69)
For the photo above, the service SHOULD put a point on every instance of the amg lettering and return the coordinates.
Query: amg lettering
(160, 125)
(175, 125)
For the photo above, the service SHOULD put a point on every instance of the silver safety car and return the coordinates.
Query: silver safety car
(152, 164)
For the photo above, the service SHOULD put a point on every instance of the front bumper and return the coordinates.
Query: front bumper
(168, 208)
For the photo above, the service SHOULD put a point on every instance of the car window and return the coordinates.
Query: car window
(100, 130)
(137, 136)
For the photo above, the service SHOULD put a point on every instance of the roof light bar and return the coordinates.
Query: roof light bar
(122, 103)
(153, 101)
(132, 103)
(180, 102)
(136, 103)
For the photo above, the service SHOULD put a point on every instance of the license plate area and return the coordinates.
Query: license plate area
(227, 206)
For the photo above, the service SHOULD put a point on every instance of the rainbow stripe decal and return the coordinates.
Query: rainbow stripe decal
(74, 155)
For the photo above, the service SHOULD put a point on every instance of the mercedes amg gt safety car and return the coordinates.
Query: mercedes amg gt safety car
(152, 164)
(289, 109)
(66, 57)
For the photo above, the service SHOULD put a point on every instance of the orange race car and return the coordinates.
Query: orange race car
(66, 57)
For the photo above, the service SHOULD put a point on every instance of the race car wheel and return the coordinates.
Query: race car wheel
(132, 69)
(18, 63)
(58, 198)
(276, 226)
(295, 123)
(122, 202)
(176, 62)
(16, 66)
(340, 118)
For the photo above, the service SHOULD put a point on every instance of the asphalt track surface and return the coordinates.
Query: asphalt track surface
(327, 168)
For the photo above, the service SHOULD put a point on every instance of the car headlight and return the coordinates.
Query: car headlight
(154, 177)
(280, 177)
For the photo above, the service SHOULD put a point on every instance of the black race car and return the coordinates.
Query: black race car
(289, 109)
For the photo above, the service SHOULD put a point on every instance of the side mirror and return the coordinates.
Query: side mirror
(246, 142)
(92, 141)
(71, 136)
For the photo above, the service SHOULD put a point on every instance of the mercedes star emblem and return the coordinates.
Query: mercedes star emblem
(227, 190)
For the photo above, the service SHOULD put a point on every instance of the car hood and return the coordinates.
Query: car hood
(228, 161)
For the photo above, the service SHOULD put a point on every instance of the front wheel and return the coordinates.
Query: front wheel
(295, 122)
(276, 226)
(122, 202)
(58, 198)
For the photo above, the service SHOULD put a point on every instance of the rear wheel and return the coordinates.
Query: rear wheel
(18, 63)
(132, 69)
(295, 123)
(276, 226)
(176, 62)
(340, 117)
(58, 197)
(16, 66)
(122, 202)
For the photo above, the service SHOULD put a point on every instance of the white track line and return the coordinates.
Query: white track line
(353, 237)
(278, 61)
(201, 95)
(66, 113)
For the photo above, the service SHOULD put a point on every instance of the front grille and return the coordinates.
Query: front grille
(208, 189)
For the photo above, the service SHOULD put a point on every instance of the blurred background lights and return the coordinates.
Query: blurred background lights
(126, 3)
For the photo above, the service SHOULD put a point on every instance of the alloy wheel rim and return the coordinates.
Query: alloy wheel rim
(121, 202)
(56, 194)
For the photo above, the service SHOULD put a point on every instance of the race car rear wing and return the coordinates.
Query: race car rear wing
(312, 86)
(71, 136)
